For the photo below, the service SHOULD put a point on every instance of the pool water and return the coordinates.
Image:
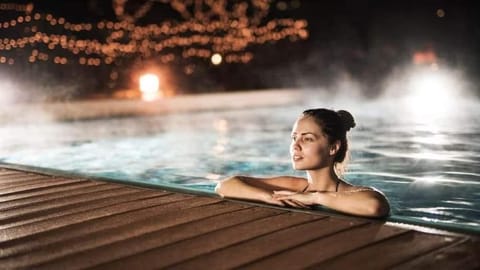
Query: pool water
(428, 168)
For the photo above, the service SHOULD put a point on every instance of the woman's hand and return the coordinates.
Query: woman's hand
(295, 199)
(271, 200)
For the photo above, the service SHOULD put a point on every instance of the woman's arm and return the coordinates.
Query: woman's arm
(258, 189)
(361, 202)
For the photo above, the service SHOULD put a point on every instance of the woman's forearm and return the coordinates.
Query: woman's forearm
(235, 187)
(367, 203)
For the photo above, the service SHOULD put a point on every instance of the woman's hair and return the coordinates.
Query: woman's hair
(335, 125)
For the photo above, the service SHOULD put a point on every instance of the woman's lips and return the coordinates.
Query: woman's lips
(297, 157)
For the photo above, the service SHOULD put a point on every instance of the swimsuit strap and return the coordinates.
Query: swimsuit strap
(305, 189)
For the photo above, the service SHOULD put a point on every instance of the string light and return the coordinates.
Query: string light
(210, 29)
(216, 59)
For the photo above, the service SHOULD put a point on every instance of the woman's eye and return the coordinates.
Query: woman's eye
(308, 139)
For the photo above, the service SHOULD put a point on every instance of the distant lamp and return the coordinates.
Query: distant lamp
(216, 59)
(440, 13)
(432, 91)
(150, 86)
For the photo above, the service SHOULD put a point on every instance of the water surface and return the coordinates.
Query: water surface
(429, 168)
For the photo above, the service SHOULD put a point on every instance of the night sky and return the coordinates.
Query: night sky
(363, 40)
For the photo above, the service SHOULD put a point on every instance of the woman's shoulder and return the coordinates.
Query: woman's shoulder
(348, 187)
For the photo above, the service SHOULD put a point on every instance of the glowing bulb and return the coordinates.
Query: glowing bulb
(216, 59)
(149, 86)
(440, 13)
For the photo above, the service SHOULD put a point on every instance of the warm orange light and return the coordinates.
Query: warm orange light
(150, 86)
(424, 57)
(195, 33)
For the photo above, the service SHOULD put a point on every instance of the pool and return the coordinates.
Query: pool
(428, 168)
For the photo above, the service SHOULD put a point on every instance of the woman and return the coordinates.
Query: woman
(319, 146)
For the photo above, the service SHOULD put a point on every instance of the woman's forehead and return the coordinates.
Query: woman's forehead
(306, 124)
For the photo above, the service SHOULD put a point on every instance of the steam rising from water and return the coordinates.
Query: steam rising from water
(430, 98)
(412, 93)
(416, 92)
(37, 89)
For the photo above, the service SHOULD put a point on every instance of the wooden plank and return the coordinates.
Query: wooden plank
(19, 176)
(53, 254)
(133, 223)
(80, 207)
(25, 180)
(327, 247)
(7, 172)
(44, 185)
(46, 207)
(394, 250)
(49, 197)
(87, 206)
(269, 244)
(463, 255)
(211, 241)
(113, 256)
(50, 190)
(29, 182)
(112, 206)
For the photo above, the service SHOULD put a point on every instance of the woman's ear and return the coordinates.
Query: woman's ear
(335, 147)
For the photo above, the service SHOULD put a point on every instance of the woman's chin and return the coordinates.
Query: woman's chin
(298, 167)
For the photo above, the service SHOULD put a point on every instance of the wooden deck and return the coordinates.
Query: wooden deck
(52, 222)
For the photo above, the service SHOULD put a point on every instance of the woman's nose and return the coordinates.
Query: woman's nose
(296, 145)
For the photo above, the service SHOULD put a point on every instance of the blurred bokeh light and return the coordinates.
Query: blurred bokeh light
(150, 87)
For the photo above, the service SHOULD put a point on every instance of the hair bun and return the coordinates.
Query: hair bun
(347, 119)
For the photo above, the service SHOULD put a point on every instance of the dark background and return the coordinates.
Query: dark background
(362, 40)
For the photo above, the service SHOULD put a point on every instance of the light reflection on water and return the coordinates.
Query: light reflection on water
(429, 171)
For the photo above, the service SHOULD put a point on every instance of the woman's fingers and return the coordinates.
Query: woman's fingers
(295, 203)
(301, 204)
(290, 198)
(290, 203)
(275, 201)
(283, 192)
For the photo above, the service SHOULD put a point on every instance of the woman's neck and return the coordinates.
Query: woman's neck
(324, 179)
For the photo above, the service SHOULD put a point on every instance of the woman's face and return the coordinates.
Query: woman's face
(309, 148)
